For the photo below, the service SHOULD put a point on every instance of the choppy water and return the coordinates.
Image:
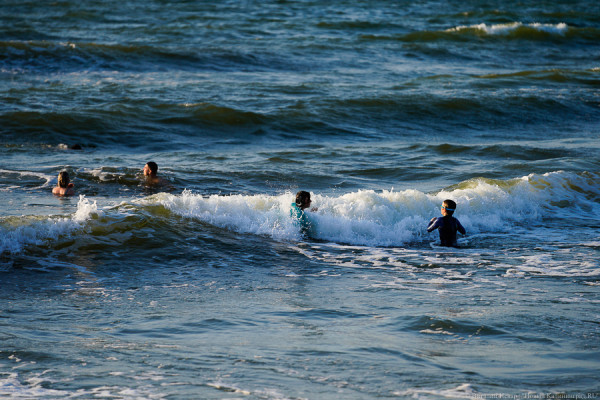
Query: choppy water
(203, 287)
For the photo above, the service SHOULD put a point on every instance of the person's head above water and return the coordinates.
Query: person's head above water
(150, 169)
(64, 187)
(303, 199)
(448, 207)
(63, 179)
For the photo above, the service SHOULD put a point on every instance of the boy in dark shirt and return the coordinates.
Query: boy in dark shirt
(447, 225)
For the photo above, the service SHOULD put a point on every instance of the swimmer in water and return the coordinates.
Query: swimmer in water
(152, 180)
(64, 186)
(447, 225)
(150, 172)
(297, 212)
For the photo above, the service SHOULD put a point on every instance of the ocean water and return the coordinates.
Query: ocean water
(202, 287)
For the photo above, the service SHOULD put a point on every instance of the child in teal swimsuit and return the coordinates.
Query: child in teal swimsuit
(297, 211)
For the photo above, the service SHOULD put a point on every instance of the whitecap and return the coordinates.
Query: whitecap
(460, 392)
(503, 29)
(18, 232)
(391, 218)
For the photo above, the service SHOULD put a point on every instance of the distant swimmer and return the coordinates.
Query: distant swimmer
(297, 212)
(64, 186)
(152, 180)
(151, 172)
(447, 225)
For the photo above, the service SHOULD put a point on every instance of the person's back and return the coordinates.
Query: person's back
(447, 225)
(64, 186)
(297, 213)
(447, 230)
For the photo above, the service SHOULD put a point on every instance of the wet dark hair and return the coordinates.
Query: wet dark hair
(63, 179)
(301, 197)
(153, 167)
(451, 206)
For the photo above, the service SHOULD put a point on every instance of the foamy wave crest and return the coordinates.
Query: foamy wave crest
(16, 176)
(258, 214)
(394, 218)
(460, 392)
(11, 387)
(503, 29)
(19, 232)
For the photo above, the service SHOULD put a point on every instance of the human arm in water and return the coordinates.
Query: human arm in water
(459, 227)
(434, 223)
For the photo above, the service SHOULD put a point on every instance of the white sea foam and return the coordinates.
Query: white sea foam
(219, 385)
(40, 230)
(15, 387)
(503, 29)
(24, 174)
(11, 387)
(258, 214)
(99, 173)
(554, 263)
(364, 218)
(393, 218)
(459, 392)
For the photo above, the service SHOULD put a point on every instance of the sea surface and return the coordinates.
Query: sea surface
(202, 286)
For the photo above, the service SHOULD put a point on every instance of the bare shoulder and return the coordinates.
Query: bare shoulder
(63, 191)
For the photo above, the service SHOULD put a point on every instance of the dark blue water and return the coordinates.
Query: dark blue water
(202, 286)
